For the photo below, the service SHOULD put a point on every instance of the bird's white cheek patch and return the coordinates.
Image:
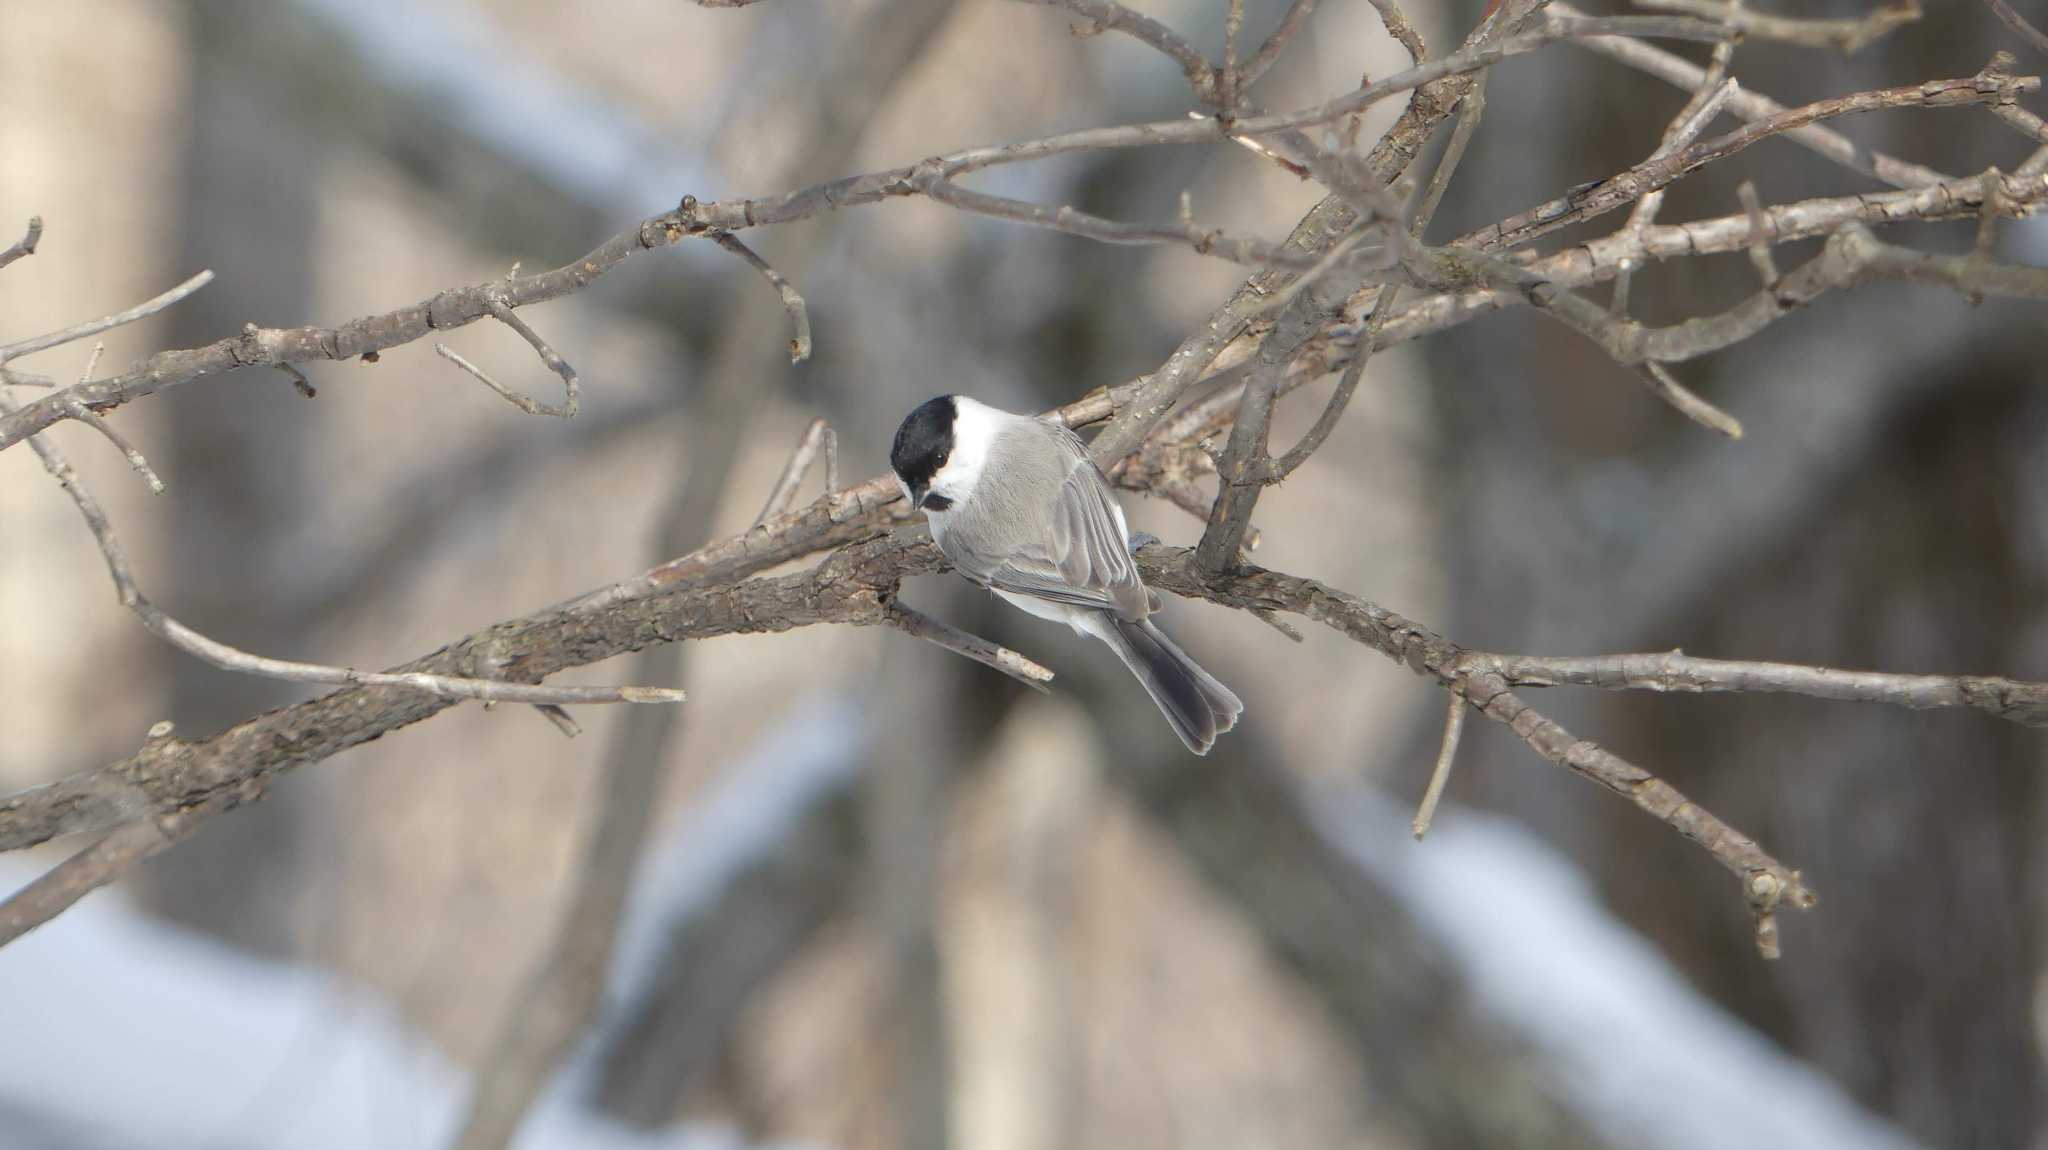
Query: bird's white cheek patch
(974, 431)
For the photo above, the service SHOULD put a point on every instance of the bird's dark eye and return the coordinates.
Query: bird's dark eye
(937, 502)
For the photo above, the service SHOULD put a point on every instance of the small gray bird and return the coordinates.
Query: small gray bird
(1019, 507)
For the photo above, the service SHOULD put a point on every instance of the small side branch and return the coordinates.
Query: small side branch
(1108, 16)
(112, 856)
(1073, 221)
(799, 314)
(26, 245)
(1666, 387)
(1845, 36)
(1294, 21)
(1817, 138)
(1454, 730)
(233, 659)
(916, 623)
(92, 419)
(2013, 20)
(817, 438)
(572, 388)
(93, 327)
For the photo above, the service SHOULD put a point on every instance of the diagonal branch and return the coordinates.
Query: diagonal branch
(450, 687)
(2018, 23)
(1268, 53)
(919, 625)
(503, 313)
(1818, 138)
(1660, 170)
(93, 327)
(1767, 883)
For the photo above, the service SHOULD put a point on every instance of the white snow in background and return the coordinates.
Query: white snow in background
(504, 93)
(1651, 1059)
(129, 1032)
(813, 752)
(123, 1031)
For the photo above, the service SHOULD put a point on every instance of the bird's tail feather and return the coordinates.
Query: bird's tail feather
(1198, 707)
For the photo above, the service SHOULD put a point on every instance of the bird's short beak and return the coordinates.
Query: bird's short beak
(917, 495)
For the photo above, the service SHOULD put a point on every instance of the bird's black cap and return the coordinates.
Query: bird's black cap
(922, 444)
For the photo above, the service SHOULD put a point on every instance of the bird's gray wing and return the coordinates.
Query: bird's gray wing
(1086, 558)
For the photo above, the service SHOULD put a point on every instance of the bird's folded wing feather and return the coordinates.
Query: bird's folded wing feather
(1086, 560)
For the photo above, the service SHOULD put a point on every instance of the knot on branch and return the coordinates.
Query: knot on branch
(248, 350)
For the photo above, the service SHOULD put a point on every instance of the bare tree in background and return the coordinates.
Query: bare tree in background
(1360, 272)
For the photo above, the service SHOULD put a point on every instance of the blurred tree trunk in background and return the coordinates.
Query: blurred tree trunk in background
(237, 457)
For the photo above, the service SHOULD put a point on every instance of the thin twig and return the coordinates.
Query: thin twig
(799, 314)
(1107, 16)
(26, 245)
(816, 438)
(1233, 27)
(233, 659)
(916, 623)
(1759, 243)
(299, 380)
(93, 327)
(562, 720)
(1748, 105)
(572, 387)
(1666, 387)
(1296, 18)
(1847, 36)
(1627, 187)
(1454, 730)
(91, 418)
(1073, 221)
(1473, 109)
(447, 310)
(2013, 20)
